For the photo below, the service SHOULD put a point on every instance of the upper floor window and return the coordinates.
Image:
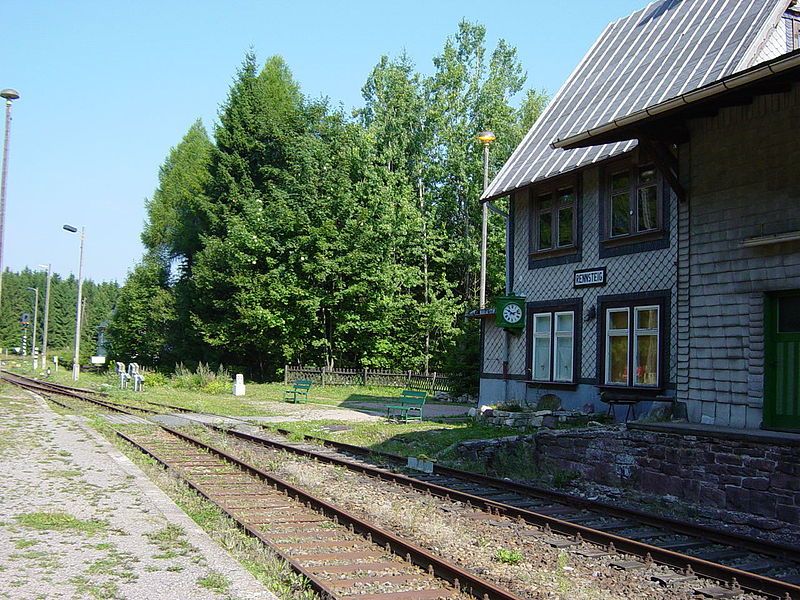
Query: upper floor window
(633, 202)
(795, 35)
(554, 220)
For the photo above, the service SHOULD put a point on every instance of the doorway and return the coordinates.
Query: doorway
(782, 361)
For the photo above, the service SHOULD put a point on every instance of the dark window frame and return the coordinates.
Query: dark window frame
(660, 298)
(575, 305)
(555, 255)
(636, 241)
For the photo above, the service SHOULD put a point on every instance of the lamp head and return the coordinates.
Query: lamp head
(9, 94)
(486, 137)
(70, 228)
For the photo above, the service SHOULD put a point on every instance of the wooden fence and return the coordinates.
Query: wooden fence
(433, 382)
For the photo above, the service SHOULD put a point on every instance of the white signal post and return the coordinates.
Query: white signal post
(34, 358)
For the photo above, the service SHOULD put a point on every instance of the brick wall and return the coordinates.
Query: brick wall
(740, 187)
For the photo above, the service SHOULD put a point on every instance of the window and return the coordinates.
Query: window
(795, 35)
(553, 349)
(554, 221)
(632, 346)
(633, 202)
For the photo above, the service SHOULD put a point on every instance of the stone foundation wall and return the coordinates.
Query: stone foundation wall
(751, 477)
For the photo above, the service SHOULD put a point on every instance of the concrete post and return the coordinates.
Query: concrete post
(238, 386)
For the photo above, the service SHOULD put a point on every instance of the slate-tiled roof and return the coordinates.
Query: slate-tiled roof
(666, 49)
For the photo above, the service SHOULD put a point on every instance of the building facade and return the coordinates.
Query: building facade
(655, 253)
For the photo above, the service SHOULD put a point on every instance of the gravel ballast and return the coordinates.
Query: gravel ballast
(79, 519)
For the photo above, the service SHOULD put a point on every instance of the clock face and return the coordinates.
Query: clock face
(512, 313)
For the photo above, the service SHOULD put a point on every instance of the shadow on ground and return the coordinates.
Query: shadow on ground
(376, 405)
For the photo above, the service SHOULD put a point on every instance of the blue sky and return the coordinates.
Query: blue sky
(108, 87)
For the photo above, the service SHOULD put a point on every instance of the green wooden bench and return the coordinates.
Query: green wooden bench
(408, 406)
(299, 391)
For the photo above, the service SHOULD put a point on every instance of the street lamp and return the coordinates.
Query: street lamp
(46, 313)
(35, 315)
(76, 361)
(10, 95)
(486, 138)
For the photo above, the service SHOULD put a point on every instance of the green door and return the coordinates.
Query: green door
(782, 361)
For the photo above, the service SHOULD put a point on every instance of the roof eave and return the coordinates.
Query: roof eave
(625, 127)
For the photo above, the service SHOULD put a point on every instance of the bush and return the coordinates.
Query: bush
(201, 378)
(217, 386)
(511, 406)
(154, 379)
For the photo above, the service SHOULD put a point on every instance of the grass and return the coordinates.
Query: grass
(437, 440)
(508, 557)
(216, 582)
(65, 473)
(44, 560)
(171, 541)
(59, 521)
(84, 587)
(262, 398)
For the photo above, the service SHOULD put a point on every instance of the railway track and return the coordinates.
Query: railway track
(736, 561)
(49, 389)
(341, 555)
(741, 562)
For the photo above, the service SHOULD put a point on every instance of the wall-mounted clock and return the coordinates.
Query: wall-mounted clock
(510, 312)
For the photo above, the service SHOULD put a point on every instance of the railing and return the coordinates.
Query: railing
(433, 382)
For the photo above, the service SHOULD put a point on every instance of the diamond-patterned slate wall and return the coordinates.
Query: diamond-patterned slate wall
(493, 347)
(632, 273)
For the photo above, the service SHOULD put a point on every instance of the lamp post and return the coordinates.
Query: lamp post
(10, 95)
(35, 315)
(485, 138)
(46, 313)
(76, 361)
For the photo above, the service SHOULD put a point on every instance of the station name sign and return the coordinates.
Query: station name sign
(589, 277)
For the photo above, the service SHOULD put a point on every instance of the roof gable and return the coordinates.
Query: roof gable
(666, 49)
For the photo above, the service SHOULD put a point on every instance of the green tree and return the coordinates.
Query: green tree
(248, 303)
(99, 301)
(175, 212)
(145, 313)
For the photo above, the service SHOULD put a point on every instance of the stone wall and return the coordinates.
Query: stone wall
(760, 478)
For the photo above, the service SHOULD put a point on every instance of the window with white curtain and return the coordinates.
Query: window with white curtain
(553, 346)
(632, 345)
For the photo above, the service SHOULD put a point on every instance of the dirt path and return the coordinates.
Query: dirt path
(78, 519)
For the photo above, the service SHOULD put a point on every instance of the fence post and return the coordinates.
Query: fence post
(286, 375)
(433, 382)
(365, 375)
(323, 376)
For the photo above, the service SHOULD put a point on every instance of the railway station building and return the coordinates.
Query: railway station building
(655, 223)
